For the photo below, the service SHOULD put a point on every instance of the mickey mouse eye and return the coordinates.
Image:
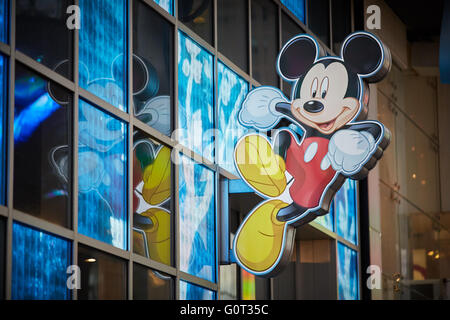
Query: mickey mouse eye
(314, 87)
(324, 87)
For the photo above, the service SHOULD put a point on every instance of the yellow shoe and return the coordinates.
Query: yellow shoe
(260, 166)
(156, 178)
(259, 241)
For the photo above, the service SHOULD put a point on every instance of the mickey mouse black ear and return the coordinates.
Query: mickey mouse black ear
(57, 92)
(297, 55)
(366, 55)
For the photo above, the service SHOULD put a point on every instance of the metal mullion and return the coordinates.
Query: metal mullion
(155, 265)
(160, 10)
(154, 133)
(102, 246)
(4, 211)
(130, 148)
(352, 10)
(330, 21)
(10, 186)
(198, 281)
(196, 157)
(231, 65)
(5, 49)
(249, 26)
(196, 38)
(226, 173)
(347, 243)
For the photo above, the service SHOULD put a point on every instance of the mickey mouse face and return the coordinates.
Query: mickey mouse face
(328, 90)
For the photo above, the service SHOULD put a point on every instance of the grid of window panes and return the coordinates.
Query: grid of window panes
(91, 162)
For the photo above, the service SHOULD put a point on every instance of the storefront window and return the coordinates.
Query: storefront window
(189, 291)
(102, 50)
(150, 284)
(4, 20)
(297, 7)
(36, 21)
(39, 265)
(3, 127)
(103, 276)
(42, 147)
(153, 68)
(342, 22)
(166, 5)
(197, 218)
(152, 222)
(232, 90)
(347, 273)
(198, 15)
(195, 97)
(346, 211)
(327, 220)
(102, 176)
(2, 257)
(319, 19)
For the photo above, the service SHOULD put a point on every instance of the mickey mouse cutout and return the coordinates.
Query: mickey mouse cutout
(299, 175)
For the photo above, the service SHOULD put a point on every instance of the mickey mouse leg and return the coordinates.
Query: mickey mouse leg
(290, 212)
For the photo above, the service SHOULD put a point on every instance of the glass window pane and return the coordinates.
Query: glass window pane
(319, 19)
(198, 16)
(345, 206)
(189, 291)
(347, 273)
(195, 97)
(153, 68)
(166, 5)
(39, 24)
(103, 276)
(4, 20)
(232, 90)
(150, 284)
(264, 41)
(102, 176)
(102, 50)
(327, 220)
(3, 127)
(228, 282)
(39, 265)
(42, 113)
(342, 22)
(232, 31)
(197, 216)
(297, 7)
(2, 257)
(152, 205)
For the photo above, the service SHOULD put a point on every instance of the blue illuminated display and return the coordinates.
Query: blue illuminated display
(189, 291)
(232, 90)
(102, 50)
(327, 220)
(3, 113)
(347, 273)
(4, 20)
(197, 218)
(195, 97)
(102, 176)
(39, 265)
(346, 211)
(166, 5)
(297, 7)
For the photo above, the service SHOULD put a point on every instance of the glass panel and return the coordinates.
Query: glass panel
(2, 257)
(4, 17)
(197, 216)
(232, 31)
(153, 68)
(39, 265)
(347, 273)
(103, 276)
(152, 205)
(319, 19)
(150, 284)
(197, 15)
(228, 282)
(42, 133)
(3, 127)
(297, 7)
(342, 22)
(189, 291)
(327, 220)
(102, 50)
(232, 91)
(264, 41)
(40, 23)
(166, 5)
(102, 176)
(345, 206)
(195, 97)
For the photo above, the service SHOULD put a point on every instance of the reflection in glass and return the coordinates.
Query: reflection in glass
(166, 5)
(2, 257)
(195, 97)
(346, 211)
(152, 68)
(39, 24)
(197, 216)
(39, 265)
(3, 131)
(42, 148)
(151, 199)
(103, 276)
(189, 291)
(347, 273)
(327, 220)
(102, 176)
(150, 284)
(197, 15)
(4, 20)
(232, 90)
(102, 50)
(297, 7)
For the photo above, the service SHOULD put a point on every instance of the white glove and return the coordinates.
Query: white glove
(349, 149)
(258, 108)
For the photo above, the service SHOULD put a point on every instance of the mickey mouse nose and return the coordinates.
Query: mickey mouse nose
(313, 106)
